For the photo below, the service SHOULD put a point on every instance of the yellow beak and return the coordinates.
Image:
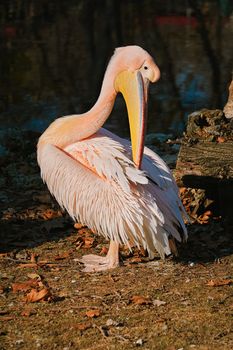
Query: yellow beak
(134, 91)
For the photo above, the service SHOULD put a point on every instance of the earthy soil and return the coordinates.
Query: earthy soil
(47, 302)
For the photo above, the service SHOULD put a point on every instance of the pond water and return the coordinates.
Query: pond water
(53, 56)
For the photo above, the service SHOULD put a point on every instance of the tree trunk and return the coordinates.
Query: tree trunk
(205, 159)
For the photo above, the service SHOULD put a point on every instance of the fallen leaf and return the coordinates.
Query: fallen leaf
(93, 313)
(182, 190)
(140, 300)
(85, 242)
(35, 296)
(1, 289)
(204, 218)
(218, 283)
(84, 231)
(88, 242)
(104, 250)
(23, 286)
(82, 326)
(221, 139)
(49, 214)
(135, 260)
(77, 225)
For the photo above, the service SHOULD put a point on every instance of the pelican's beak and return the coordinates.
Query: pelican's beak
(134, 90)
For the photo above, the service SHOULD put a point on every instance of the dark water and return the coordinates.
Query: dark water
(53, 55)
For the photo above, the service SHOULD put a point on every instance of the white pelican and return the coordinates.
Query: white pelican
(121, 190)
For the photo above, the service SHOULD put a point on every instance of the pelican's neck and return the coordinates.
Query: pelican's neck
(69, 129)
(94, 119)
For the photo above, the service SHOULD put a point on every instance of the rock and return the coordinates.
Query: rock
(139, 342)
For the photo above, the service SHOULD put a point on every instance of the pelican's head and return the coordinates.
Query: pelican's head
(134, 69)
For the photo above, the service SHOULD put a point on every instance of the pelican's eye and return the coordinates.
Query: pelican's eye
(145, 67)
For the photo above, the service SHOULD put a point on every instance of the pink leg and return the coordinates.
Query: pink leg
(94, 263)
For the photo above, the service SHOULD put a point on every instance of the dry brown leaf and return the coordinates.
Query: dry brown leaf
(1, 289)
(182, 190)
(135, 260)
(104, 250)
(23, 286)
(218, 283)
(93, 313)
(49, 214)
(140, 300)
(82, 326)
(84, 231)
(88, 242)
(221, 139)
(77, 225)
(35, 296)
(204, 218)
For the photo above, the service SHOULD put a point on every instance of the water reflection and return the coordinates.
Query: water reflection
(53, 56)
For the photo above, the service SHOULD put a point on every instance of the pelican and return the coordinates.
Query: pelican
(119, 189)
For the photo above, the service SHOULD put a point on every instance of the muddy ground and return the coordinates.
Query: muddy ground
(47, 302)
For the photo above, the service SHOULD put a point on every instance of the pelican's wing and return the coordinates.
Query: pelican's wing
(107, 158)
(163, 187)
(153, 165)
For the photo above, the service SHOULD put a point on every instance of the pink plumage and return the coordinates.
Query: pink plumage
(91, 173)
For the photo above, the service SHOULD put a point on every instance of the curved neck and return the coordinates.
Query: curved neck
(93, 120)
(73, 128)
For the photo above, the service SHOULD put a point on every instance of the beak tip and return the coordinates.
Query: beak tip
(156, 76)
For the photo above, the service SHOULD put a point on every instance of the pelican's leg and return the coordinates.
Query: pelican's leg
(94, 263)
